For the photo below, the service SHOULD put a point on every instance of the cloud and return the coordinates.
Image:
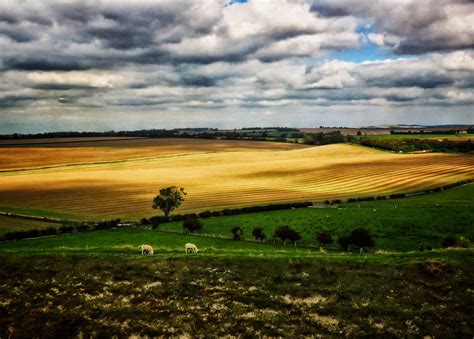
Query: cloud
(214, 61)
(410, 26)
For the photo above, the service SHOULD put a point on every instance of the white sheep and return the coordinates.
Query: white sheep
(190, 248)
(147, 250)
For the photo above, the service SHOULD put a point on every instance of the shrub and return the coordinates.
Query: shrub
(464, 242)
(324, 238)
(205, 214)
(449, 241)
(286, 233)
(259, 234)
(344, 242)
(361, 237)
(192, 224)
(424, 247)
(237, 231)
(155, 222)
(66, 229)
(83, 228)
(48, 231)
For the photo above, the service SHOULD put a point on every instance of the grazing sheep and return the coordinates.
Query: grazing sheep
(190, 248)
(147, 250)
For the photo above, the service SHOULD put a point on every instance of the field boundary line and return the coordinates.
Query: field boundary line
(72, 142)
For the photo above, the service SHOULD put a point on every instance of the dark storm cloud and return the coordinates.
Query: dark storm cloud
(18, 35)
(16, 100)
(413, 80)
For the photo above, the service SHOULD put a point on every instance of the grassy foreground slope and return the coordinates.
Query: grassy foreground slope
(98, 284)
(228, 179)
(396, 224)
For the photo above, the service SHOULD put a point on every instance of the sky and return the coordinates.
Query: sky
(123, 65)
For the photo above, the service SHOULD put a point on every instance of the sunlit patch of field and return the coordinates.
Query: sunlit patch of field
(39, 153)
(229, 179)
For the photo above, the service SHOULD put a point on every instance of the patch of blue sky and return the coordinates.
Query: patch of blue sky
(367, 51)
(232, 2)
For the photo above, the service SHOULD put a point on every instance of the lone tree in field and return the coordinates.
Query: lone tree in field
(237, 231)
(324, 238)
(192, 224)
(286, 233)
(169, 199)
(259, 234)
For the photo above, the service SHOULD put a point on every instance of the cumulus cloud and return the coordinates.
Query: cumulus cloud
(410, 26)
(154, 60)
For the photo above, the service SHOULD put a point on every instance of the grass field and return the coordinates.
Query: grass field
(40, 153)
(98, 284)
(397, 225)
(226, 179)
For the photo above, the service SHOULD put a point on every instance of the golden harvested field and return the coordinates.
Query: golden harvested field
(92, 150)
(229, 179)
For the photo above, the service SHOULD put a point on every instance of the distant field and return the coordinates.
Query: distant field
(459, 137)
(62, 151)
(226, 179)
(8, 224)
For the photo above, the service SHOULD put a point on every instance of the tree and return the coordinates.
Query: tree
(169, 199)
(361, 237)
(259, 234)
(286, 233)
(154, 222)
(324, 238)
(237, 231)
(344, 242)
(192, 224)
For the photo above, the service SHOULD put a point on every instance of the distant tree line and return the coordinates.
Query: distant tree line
(333, 137)
(411, 145)
(450, 131)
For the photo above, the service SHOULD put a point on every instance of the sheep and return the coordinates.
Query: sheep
(191, 248)
(147, 250)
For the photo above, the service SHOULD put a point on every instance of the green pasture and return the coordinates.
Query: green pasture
(396, 224)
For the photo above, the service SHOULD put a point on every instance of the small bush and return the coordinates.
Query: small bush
(259, 234)
(83, 228)
(424, 247)
(324, 238)
(344, 242)
(237, 231)
(449, 241)
(48, 231)
(192, 224)
(464, 242)
(205, 214)
(66, 229)
(361, 237)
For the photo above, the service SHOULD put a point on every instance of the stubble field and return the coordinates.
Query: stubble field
(239, 174)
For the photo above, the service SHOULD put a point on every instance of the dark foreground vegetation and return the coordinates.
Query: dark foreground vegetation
(62, 297)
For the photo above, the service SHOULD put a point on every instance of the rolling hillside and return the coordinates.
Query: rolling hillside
(225, 179)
